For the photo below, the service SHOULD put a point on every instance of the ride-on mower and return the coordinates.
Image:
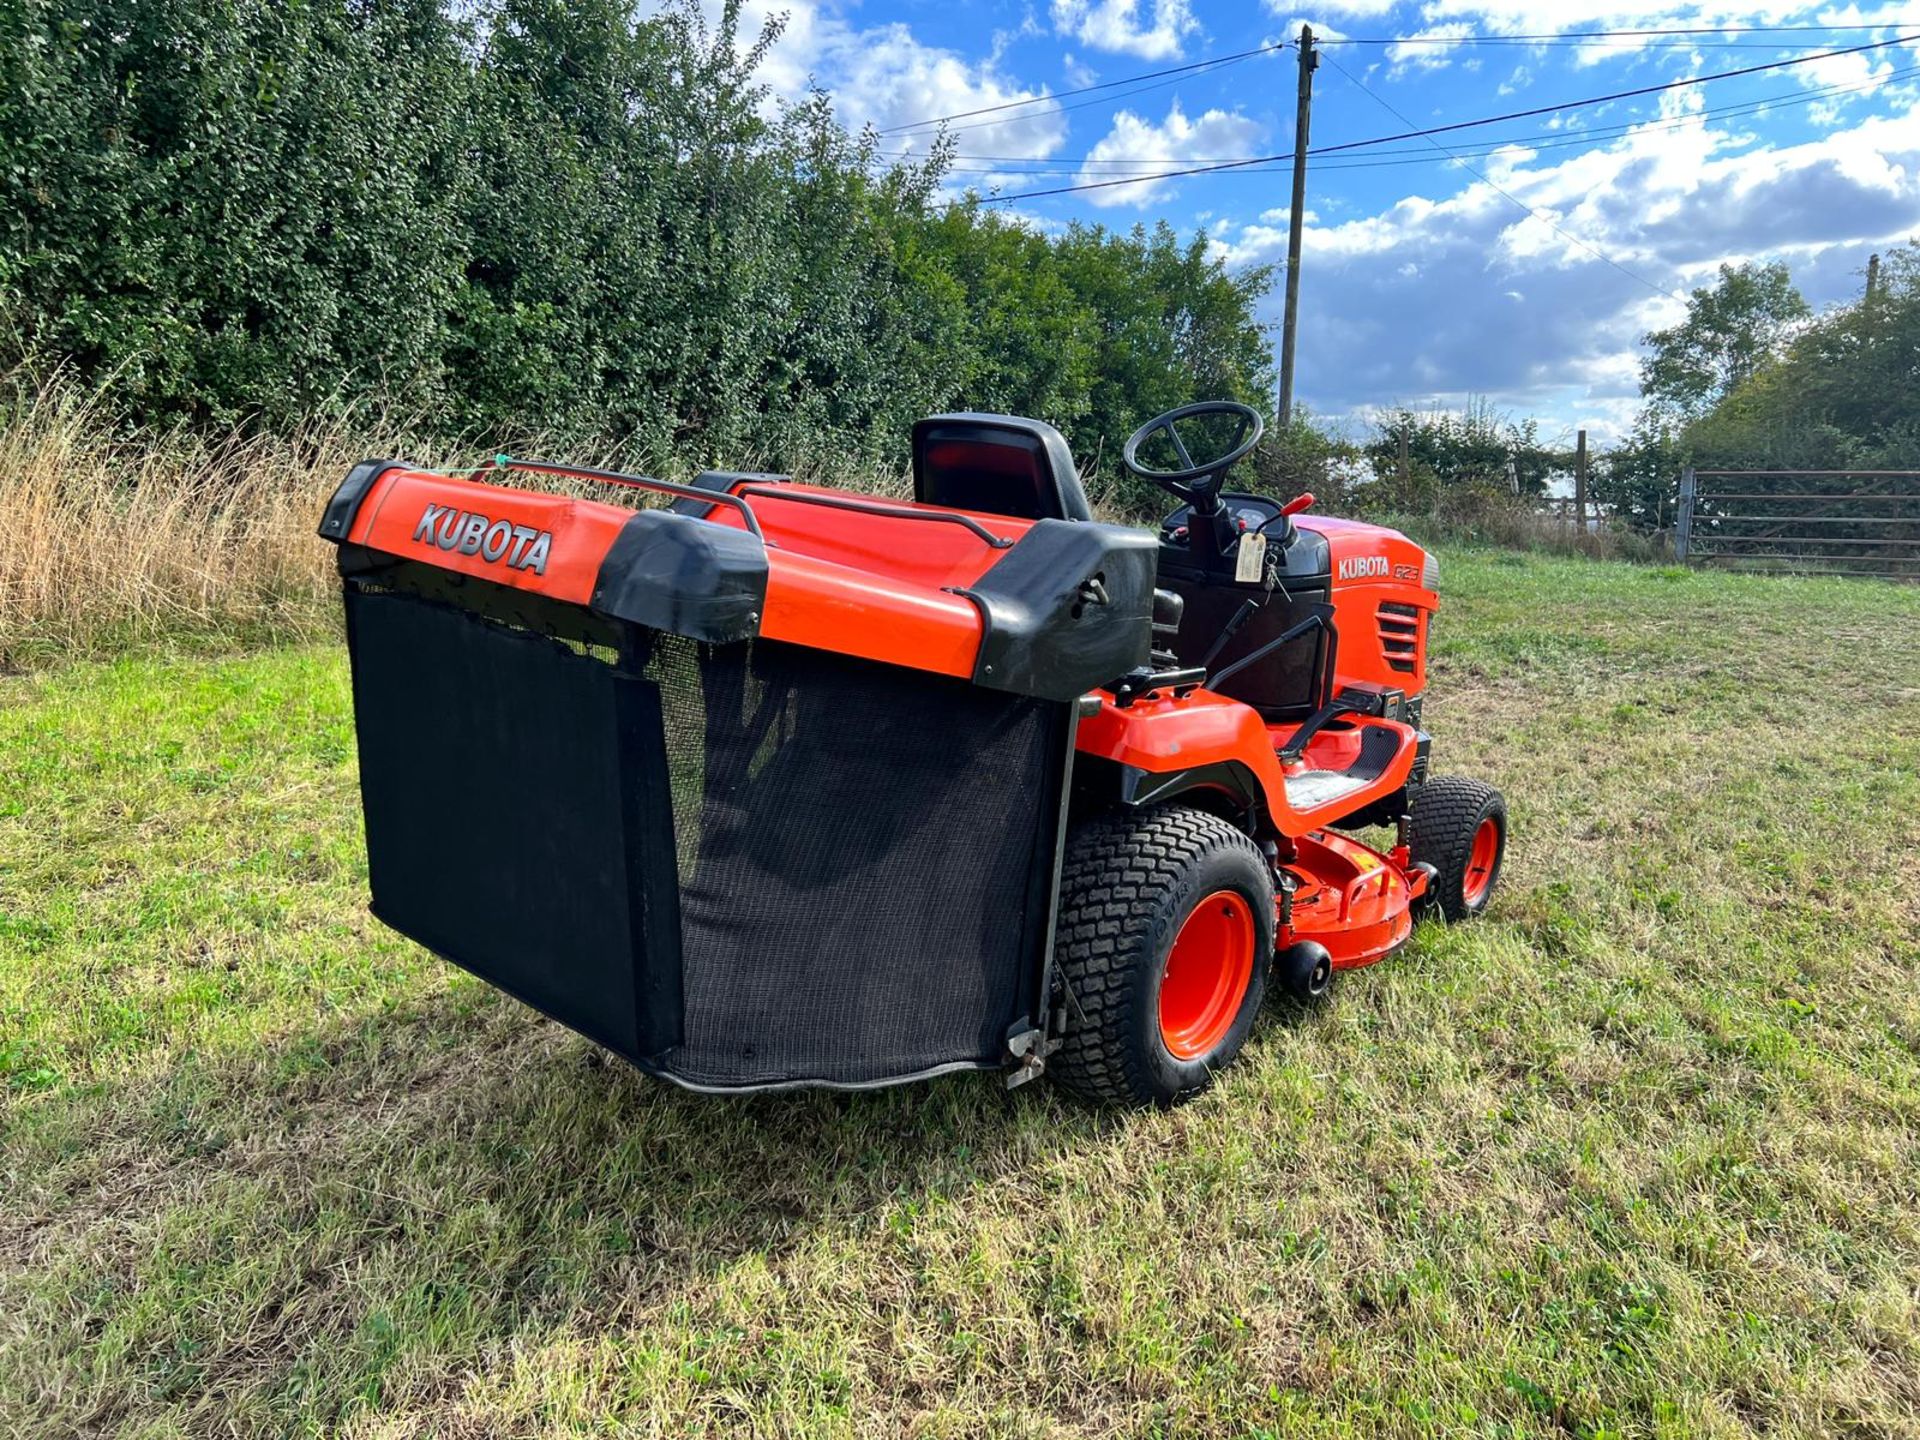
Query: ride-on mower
(778, 784)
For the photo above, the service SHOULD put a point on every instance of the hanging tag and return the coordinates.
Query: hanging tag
(1251, 560)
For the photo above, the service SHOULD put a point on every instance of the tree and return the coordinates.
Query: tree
(1449, 450)
(1731, 328)
(1845, 392)
(561, 219)
(1637, 481)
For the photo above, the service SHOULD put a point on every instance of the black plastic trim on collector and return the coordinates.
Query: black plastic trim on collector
(723, 482)
(685, 576)
(1069, 607)
(345, 504)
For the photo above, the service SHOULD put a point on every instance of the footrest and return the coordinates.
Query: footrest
(1309, 790)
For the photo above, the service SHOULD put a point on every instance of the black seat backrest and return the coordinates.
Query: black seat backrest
(996, 464)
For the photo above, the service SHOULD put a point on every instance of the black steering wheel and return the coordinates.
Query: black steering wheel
(1198, 485)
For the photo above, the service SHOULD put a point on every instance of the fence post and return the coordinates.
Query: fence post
(1580, 483)
(1683, 519)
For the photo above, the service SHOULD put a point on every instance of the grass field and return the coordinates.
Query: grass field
(1637, 1155)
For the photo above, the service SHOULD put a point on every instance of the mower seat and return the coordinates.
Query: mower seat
(996, 465)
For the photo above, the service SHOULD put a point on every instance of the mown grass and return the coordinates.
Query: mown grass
(1637, 1155)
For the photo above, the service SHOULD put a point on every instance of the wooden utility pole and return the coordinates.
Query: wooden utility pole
(1300, 119)
(1406, 475)
(1580, 482)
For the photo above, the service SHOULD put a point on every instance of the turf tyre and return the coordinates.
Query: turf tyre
(1448, 814)
(1129, 884)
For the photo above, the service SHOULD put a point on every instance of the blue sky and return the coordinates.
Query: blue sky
(1522, 272)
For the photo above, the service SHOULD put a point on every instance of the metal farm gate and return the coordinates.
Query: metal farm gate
(1803, 522)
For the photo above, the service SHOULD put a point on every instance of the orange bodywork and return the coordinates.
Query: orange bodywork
(1164, 733)
(1375, 567)
(856, 583)
(408, 511)
(1354, 900)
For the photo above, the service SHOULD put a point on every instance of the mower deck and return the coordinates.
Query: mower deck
(1354, 900)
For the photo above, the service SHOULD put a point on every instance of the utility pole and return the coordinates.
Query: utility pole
(1580, 482)
(1308, 60)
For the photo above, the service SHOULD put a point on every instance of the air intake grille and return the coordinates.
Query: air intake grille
(1400, 636)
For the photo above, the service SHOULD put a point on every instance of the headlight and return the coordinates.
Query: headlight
(1430, 573)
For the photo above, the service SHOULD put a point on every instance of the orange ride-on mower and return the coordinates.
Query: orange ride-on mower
(782, 785)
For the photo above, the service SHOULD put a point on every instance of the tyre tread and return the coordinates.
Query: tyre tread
(1446, 811)
(1121, 874)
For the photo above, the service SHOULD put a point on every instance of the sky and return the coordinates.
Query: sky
(1518, 263)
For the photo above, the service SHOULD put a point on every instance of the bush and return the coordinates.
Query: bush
(549, 216)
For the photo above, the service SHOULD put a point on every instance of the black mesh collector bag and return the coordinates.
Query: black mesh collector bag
(736, 865)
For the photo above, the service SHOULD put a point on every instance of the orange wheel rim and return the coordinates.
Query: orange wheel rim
(1482, 861)
(1206, 975)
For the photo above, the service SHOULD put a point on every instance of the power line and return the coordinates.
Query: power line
(1220, 64)
(1573, 36)
(1563, 37)
(1086, 89)
(1533, 213)
(1466, 124)
(1533, 140)
(1627, 45)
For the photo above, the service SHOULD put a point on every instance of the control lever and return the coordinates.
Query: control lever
(1321, 619)
(1232, 627)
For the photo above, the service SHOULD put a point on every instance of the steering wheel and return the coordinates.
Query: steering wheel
(1198, 485)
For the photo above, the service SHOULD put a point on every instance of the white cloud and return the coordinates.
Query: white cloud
(1428, 49)
(1434, 299)
(1116, 25)
(882, 76)
(1518, 80)
(1217, 134)
(1291, 21)
(885, 77)
(1358, 9)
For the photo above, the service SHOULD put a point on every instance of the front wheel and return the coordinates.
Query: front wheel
(1160, 953)
(1460, 828)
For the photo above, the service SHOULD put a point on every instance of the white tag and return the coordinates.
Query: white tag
(1251, 562)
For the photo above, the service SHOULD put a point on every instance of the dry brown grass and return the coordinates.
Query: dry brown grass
(1475, 516)
(118, 540)
(115, 539)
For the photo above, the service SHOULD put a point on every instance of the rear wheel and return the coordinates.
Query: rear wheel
(1460, 828)
(1160, 953)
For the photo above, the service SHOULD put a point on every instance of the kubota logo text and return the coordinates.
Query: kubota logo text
(1359, 567)
(521, 546)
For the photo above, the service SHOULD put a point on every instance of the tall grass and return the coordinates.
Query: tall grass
(1471, 515)
(118, 537)
(115, 538)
